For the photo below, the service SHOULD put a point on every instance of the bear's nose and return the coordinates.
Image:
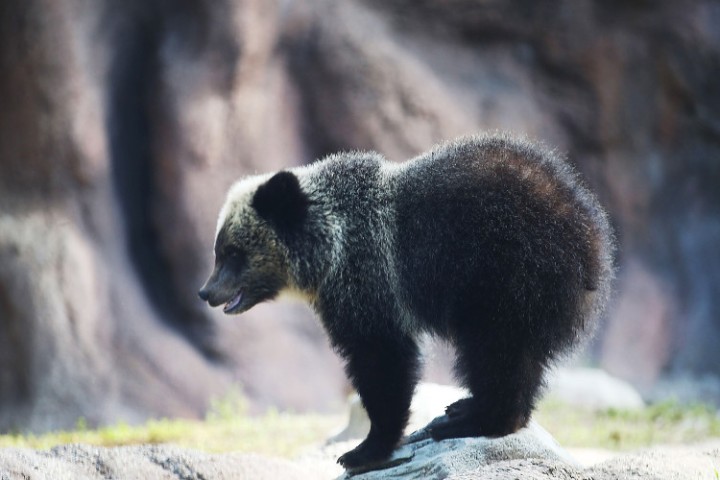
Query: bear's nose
(204, 294)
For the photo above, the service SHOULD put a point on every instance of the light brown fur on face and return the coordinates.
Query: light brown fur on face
(250, 263)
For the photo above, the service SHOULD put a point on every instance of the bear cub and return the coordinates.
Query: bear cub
(490, 242)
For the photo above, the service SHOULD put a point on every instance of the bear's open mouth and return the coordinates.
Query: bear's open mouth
(233, 303)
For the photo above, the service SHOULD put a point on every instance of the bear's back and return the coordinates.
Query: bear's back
(487, 222)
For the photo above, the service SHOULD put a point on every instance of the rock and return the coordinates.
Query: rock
(429, 401)
(105, 237)
(461, 459)
(82, 462)
(358, 424)
(665, 462)
(423, 458)
(688, 389)
(660, 463)
(592, 388)
(533, 454)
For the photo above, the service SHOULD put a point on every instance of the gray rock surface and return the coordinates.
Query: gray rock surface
(678, 462)
(452, 459)
(81, 462)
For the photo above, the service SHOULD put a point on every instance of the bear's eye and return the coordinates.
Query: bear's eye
(234, 257)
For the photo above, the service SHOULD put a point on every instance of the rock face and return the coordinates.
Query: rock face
(452, 459)
(123, 124)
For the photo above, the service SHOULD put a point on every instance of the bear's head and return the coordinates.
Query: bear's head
(251, 257)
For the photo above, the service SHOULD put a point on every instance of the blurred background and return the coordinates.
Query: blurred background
(123, 123)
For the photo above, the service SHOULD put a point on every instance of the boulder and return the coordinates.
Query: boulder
(429, 402)
(592, 388)
(423, 458)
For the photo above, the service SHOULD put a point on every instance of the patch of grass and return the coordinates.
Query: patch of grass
(274, 433)
(667, 422)
(227, 427)
(154, 431)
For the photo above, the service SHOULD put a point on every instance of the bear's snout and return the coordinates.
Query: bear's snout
(213, 295)
(220, 288)
(204, 294)
(211, 291)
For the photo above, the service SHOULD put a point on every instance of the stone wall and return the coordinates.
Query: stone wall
(122, 123)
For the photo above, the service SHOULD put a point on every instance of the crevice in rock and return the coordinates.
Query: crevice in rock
(312, 77)
(15, 383)
(134, 78)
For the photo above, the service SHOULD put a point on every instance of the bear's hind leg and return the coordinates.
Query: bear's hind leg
(504, 381)
(384, 371)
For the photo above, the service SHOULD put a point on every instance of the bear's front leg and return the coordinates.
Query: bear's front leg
(384, 370)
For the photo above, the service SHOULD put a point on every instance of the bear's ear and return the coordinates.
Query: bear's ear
(281, 201)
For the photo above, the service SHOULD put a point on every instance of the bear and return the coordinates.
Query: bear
(491, 242)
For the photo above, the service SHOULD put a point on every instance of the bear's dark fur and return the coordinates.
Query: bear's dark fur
(490, 242)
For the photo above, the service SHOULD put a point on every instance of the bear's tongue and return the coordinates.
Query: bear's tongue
(234, 302)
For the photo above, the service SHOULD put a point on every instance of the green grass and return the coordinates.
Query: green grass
(227, 427)
(274, 433)
(667, 422)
